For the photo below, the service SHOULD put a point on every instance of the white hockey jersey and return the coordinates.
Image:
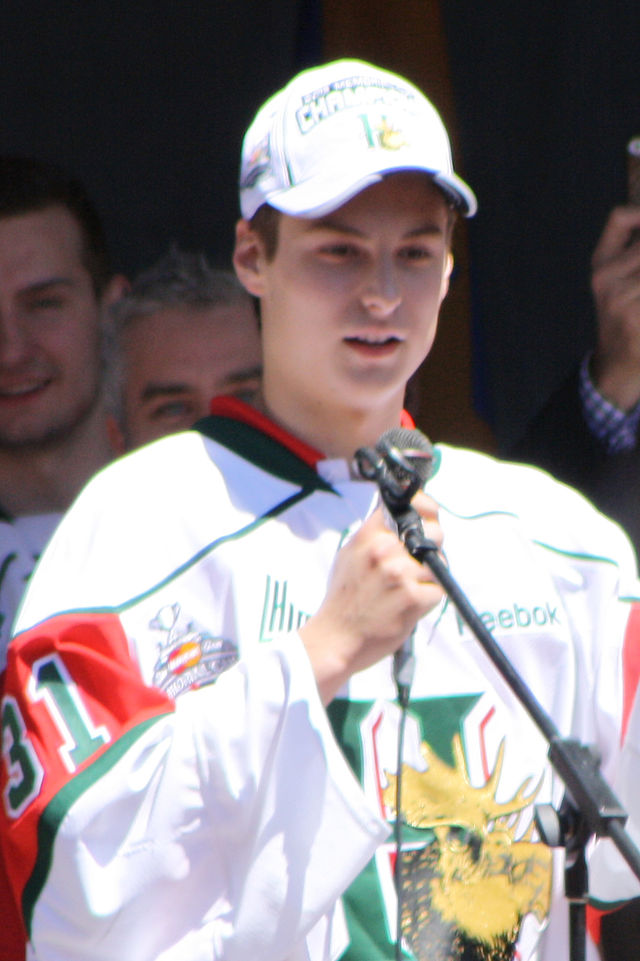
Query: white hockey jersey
(134, 788)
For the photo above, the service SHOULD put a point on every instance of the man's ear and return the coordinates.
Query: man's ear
(249, 258)
(446, 276)
(116, 288)
(116, 436)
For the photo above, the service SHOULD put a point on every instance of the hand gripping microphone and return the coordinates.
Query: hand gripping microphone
(400, 464)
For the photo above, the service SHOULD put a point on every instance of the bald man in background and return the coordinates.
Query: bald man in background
(184, 333)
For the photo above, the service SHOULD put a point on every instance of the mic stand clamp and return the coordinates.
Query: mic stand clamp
(571, 826)
(566, 827)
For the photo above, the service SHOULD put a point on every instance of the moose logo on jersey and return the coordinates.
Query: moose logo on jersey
(473, 876)
(471, 869)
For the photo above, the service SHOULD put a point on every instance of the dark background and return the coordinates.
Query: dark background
(147, 102)
(547, 96)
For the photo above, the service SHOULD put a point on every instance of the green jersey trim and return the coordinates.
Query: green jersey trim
(58, 808)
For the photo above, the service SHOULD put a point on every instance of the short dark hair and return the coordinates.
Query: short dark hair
(265, 222)
(28, 184)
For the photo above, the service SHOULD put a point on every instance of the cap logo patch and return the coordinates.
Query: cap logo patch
(258, 164)
(345, 94)
(384, 135)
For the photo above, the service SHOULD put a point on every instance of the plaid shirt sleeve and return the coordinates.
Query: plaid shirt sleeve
(616, 429)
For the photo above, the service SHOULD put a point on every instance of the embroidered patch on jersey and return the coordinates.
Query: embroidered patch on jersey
(187, 657)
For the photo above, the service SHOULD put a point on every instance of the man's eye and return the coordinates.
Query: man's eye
(245, 388)
(173, 409)
(339, 251)
(416, 253)
(46, 303)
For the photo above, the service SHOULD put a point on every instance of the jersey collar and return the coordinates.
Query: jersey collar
(250, 433)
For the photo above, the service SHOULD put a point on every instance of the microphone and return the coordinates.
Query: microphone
(413, 445)
(401, 463)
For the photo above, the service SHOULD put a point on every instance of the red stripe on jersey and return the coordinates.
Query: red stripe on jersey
(71, 692)
(594, 923)
(233, 407)
(630, 681)
(406, 420)
(630, 664)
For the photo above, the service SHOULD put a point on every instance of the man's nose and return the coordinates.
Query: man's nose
(381, 293)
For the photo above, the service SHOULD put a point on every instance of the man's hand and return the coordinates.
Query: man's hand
(615, 282)
(376, 594)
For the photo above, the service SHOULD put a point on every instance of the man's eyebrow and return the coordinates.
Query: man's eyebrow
(326, 223)
(243, 374)
(156, 389)
(428, 229)
(39, 285)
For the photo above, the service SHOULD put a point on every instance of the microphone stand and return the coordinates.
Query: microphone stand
(589, 808)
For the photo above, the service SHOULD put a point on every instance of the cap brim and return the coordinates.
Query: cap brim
(317, 198)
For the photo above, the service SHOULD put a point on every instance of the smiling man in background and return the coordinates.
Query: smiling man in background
(55, 285)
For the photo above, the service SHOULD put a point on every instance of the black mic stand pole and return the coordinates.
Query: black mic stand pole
(589, 807)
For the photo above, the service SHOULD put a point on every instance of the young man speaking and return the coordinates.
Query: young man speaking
(151, 813)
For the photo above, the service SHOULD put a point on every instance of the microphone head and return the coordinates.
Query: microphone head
(413, 445)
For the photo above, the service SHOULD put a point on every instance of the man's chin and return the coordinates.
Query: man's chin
(40, 434)
(32, 439)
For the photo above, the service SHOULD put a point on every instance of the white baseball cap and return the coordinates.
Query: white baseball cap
(334, 130)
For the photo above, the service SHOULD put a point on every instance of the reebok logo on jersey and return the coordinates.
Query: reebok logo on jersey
(516, 616)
